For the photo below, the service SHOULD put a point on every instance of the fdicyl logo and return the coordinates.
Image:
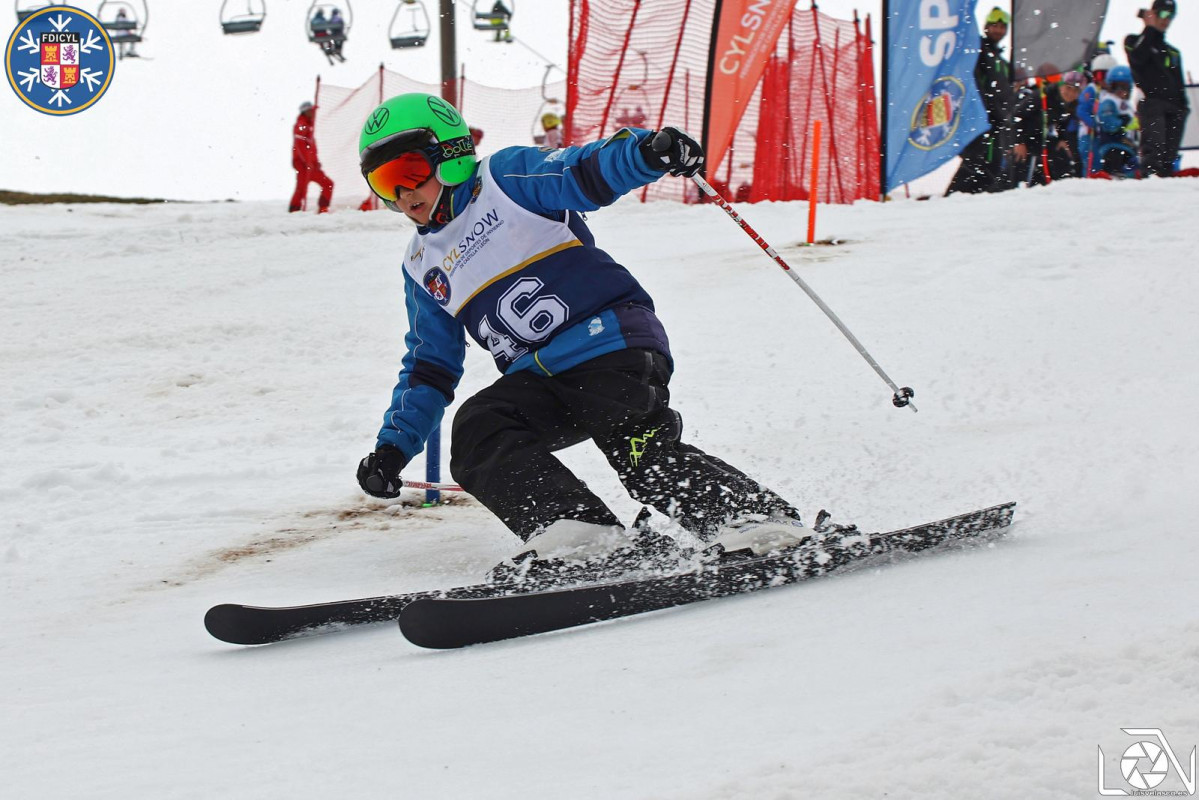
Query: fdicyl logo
(1145, 764)
(59, 60)
(438, 285)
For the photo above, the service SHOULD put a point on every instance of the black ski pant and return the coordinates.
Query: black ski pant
(504, 438)
(1162, 124)
(982, 169)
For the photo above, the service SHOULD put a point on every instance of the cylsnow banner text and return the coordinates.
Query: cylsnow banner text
(744, 35)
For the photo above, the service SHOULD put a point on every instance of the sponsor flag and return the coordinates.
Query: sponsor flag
(933, 107)
(1049, 38)
(743, 39)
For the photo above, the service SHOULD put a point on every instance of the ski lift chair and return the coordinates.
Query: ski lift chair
(324, 29)
(126, 27)
(26, 9)
(412, 32)
(249, 22)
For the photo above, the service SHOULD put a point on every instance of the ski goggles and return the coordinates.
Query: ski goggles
(406, 171)
(403, 161)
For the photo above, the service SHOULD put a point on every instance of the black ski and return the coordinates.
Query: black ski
(240, 624)
(447, 621)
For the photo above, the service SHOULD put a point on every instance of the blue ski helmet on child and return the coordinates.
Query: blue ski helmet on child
(1119, 74)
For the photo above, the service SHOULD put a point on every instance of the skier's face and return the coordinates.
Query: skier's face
(418, 203)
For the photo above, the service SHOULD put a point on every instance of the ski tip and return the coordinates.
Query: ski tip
(225, 622)
(418, 623)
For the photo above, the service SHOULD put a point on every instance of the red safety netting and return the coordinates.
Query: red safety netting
(643, 64)
(506, 116)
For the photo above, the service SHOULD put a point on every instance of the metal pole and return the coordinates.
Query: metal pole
(449, 93)
(449, 53)
(883, 114)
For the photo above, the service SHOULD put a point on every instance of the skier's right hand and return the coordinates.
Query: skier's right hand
(674, 151)
(379, 473)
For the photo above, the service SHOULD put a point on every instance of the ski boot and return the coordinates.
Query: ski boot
(756, 535)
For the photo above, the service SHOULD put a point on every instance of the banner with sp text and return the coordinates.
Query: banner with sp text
(934, 108)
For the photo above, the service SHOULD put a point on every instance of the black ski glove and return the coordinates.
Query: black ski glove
(674, 151)
(379, 473)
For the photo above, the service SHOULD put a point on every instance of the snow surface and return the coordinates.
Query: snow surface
(186, 389)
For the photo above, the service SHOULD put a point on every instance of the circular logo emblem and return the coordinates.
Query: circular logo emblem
(59, 60)
(444, 111)
(438, 285)
(377, 120)
(936, 117)
(1141, 776)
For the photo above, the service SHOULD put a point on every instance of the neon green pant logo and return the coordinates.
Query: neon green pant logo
(637, 446)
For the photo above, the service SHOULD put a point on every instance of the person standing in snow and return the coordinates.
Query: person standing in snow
(1045, 130)
(305, 162)
(1157, 69)
(983, 167)
(502, 254)
(1088, 113)
(551, 123)
(1116, 138)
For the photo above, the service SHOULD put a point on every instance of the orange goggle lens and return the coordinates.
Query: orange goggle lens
(406, 171)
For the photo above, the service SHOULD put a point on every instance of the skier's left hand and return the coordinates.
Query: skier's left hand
(379, 473)
(674, 151)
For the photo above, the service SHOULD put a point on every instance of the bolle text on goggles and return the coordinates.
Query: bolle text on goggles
(408, 159)
(405, 171)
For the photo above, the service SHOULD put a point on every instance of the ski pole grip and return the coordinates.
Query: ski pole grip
(661, 142)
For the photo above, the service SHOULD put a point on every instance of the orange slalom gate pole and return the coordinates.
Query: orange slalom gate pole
(815, 182)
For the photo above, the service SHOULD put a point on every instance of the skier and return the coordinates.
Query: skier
(501, 253)
(305, 162)
(337, 32)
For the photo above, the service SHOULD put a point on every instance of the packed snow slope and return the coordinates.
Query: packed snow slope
(186, 390)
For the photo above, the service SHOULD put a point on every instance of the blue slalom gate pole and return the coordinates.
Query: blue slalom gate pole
(433, 466)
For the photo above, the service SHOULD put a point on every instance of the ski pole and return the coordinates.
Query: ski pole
(903, 396)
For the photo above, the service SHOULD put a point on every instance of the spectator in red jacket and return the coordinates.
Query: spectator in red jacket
(305, 162)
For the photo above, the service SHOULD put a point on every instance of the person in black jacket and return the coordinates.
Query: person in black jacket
(1157, 69)
(983, 160)
(1045, 131)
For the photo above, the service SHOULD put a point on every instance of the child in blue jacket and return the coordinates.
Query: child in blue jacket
(502, 255)
(1116, 138)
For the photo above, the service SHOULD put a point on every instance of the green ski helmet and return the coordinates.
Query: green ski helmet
(422, 122)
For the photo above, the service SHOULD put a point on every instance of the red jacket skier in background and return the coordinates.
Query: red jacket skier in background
(305, 162)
